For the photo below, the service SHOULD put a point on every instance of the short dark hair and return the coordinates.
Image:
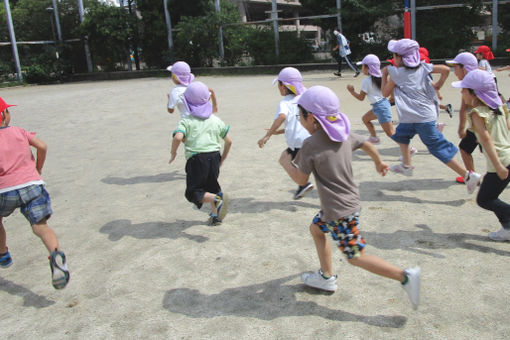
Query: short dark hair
(303, 112)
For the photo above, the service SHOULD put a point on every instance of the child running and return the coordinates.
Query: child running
(464, 63)
(489, 120)
(417, 107)
(181, 76)
(327, 153)
(201, 133)
(371, 87)
(290, 85)
(21, 186)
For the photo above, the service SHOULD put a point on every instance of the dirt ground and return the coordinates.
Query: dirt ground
(145, 264)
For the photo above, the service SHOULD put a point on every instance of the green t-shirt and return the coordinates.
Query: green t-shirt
(202, 135)
(497, 127)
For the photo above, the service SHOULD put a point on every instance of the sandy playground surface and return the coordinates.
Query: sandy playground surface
(144, 263)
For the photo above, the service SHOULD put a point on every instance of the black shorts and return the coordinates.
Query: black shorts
(202, 171)
(293, 153)
(468, 143)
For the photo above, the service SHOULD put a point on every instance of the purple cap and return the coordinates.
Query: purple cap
(408, 49)
(182, 71)
(482, 82)
(468, 60)
(292, 79)
(374, 65)
(324, 105)
(196, 98)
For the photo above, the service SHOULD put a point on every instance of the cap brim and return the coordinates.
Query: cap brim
(169, 68)
(359, 63)
(450, 62)
(457, 84)
(275, 80)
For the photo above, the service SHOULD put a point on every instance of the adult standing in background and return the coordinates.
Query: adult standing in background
(343, 53)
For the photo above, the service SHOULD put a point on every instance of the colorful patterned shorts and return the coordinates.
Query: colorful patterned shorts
(33, 201)
(345, 233)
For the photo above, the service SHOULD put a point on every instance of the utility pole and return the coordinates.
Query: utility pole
(274, 17)
(339, 15)
(220, 31)
(86, 40)
(494, 24)
(169, 30)
(14, 45)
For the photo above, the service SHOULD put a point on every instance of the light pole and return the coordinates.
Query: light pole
(50, 12)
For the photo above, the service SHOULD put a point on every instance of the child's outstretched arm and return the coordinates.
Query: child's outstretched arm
(226, 148)
(488, 145)
(503, 68)
(444, 71)
(273, 130)
(381, 167)
(359, 96)
(41, 153)
(297, 176)
(387, 85)
(178, 137)
(214, 101)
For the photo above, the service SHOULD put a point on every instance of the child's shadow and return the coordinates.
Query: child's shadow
(30, 299)
(151, 230)
(265, 301)
(424, 241)
(159, 178)
(251, 205)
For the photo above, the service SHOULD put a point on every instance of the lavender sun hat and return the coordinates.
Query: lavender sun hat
(292, 79)
(324, 105)
(408, 49)
(182, 71)
(468, 60)
(196, 98)
(374, 65)
(482, 82)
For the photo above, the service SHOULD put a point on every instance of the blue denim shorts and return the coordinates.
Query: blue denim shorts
(382, 109)
(434, 140)
(33, 201)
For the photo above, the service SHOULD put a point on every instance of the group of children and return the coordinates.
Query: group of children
(319, 140)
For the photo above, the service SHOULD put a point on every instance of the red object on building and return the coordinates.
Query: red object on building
(407, 24)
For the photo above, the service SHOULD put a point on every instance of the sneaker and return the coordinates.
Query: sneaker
(449, 110)
(214, 220)
(472, 179)
(59, 272)
(402, 169)
(5, 259)
(440, 126)
(412, 286)
(302, 190)
(500, 235)
(460, 180)
(357, 74)
(374, 140)
(337, 74)
(412, 151)
(221, 203)
(316, 280)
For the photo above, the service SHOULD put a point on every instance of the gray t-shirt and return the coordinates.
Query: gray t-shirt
(331, 165)
(415, 97)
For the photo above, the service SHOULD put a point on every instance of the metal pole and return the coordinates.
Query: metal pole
(494, 24)
(413, 19)
(339, 15)
(220, 31)
(274, 16)
(57, 21)
(86, 40)
(168, 28)
(13, 39)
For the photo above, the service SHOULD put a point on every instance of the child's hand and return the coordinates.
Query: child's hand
(350, 88)
(382, 168)
(263, 141)
(461, 132)
(172, 158)
(502, 173)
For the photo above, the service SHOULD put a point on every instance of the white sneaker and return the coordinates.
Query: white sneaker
(412, 151)
(472, 179)
(374, 140)
(402, 169)
(500, 235)
(316, 280)
(412, 287)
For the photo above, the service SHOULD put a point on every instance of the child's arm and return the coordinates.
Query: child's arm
(485, 139)
(503, 68)
(273, 130)
(387, 85)
(297, 176)
(41, 153)
(381, 167)
(169, 109)
(214, 101)
(178, 137)
(444, 71)
(359, 96)
(462, 119)
(226, 148)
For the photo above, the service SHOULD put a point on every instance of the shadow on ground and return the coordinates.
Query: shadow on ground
(30, 299)
(159, 178)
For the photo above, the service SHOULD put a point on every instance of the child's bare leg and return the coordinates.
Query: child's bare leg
(47, 235)
(3, 238)
(284, 163)
(388, 128)
(209, 198)
(457, 167)
(378, 266)
(406, 154)
(367, 118)
(323, 249)
(467, 159)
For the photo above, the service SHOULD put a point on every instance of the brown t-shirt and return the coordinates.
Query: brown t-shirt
(331, 165)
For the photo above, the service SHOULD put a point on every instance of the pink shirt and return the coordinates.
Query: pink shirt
(17, 164)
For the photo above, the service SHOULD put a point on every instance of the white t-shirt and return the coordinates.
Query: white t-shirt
(176, 99)
(372, 91)
(485, 64)
(295, 133)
